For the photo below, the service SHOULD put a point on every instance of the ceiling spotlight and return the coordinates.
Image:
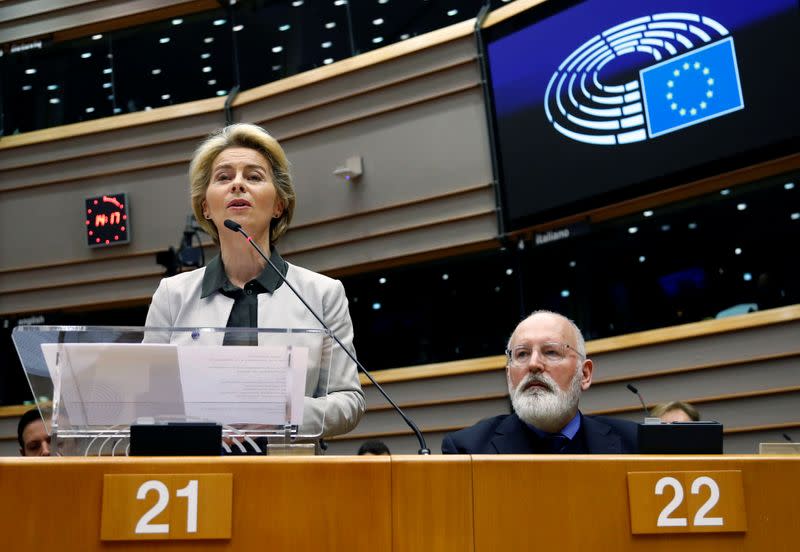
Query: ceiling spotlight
(52, 87)
(564, 293)
(747, 276)
(164, 96)
(692, 226)
(206, 69)
(30, 71)
(632, 229)
(378, 21)
(741, 206)
(108, 71)
(156, 71)
(725, 192)
(376, 306)
(163, 40)
(297, 3)
(89, 110)
(445, 276)
(97, 37)
(218, 22)
(277, 49)
(381, 280)
(377, 40)
(55, 101)
(26, 87)
(327, 61)
(177, 21)
(205, 55)
(788, 186)
(451, 13)
(648, 213)
(329, 25)
(509, 271)
(212, 82)
(221, 92)
(285, 27)
(404, 36)
(237, 28)
(573, 264)
(208, 40)
(327, 44)
(642, 258)
(86, 55)
(795, 216)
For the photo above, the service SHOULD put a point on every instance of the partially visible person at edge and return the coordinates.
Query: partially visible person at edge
(373, 447)
(546, 370)
(675, 411)
(33, 434)
(241, 173)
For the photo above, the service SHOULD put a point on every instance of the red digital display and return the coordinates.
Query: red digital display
(107, 220)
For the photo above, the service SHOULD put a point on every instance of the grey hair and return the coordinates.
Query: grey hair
(581, 343)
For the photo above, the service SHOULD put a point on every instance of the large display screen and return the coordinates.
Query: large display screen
(602, 100)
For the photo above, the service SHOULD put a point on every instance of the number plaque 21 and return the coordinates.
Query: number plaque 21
(166, 506)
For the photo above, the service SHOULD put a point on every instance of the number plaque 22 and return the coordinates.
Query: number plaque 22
(691, 502)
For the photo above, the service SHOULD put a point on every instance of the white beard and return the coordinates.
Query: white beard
(549, 408)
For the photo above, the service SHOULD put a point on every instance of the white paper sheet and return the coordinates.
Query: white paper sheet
(244, 385)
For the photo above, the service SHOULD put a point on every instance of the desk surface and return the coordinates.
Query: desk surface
(401, 503)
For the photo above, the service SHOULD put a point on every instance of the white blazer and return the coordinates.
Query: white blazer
(177, 303)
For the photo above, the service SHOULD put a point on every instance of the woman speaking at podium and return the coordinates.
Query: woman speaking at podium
(240, 173)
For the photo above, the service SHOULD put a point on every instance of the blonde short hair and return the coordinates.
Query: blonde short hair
(241, 135)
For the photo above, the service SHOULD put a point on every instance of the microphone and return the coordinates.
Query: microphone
(423, 447)
(632, 389)
(787, 437)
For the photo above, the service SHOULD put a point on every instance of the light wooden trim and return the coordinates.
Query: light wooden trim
(15, 411)
(394, 206)
(695, 368)
(765, 427)
(505, 12)
(613, 380)
(216, 104)
(264, 122)
(437, 370)
(606, 345)
(351, 94)
(355, 63)
(694, 330)
(705, 400)
(184, 8)
(115, 122)
(289, 136)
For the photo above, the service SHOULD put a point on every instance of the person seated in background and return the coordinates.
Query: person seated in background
(675, 411)
(546, 370)
(373, 448)
(32, 434)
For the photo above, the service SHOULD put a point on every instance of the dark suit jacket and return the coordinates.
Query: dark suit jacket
(507, 434)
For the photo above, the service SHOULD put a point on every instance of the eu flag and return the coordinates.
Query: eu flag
(691, 88)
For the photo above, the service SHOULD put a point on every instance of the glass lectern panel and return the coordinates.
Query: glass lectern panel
(96, 382)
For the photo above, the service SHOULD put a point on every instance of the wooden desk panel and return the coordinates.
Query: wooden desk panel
(432, 503)
(580, 503)
(279, 503)
(403, 503)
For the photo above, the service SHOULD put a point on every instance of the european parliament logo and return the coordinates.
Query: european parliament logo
(694, 78)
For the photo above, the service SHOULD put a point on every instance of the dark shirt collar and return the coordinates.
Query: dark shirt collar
(215, 278)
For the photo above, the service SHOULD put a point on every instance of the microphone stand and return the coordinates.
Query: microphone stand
(423, 447)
